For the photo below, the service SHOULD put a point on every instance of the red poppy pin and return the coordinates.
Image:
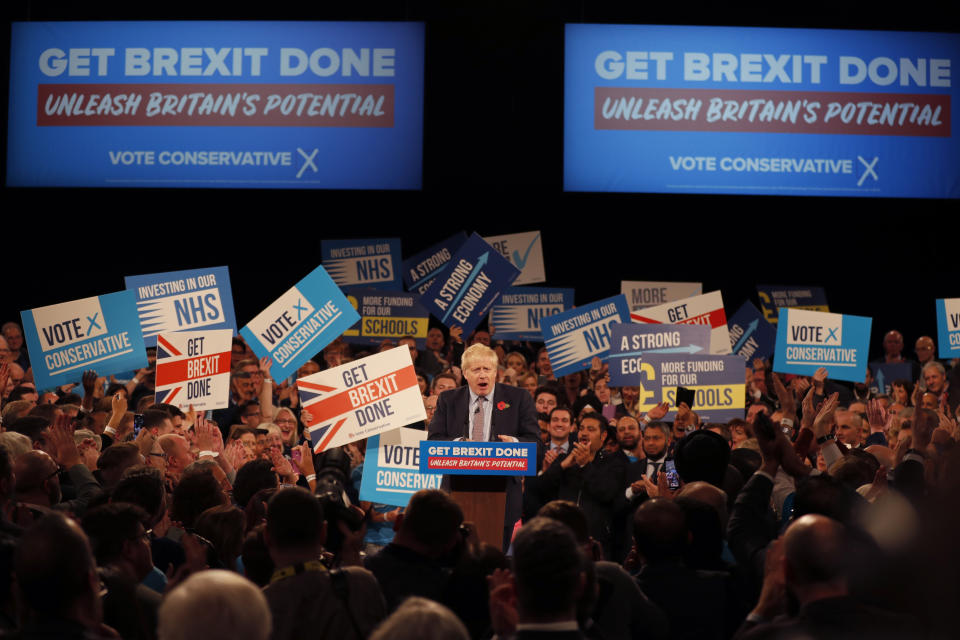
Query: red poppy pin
(502, 405)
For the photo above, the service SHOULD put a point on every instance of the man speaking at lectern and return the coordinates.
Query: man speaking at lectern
(485, 410)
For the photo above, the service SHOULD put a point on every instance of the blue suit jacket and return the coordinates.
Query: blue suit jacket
(516, 418)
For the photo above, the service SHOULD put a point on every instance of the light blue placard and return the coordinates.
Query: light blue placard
(301, 322)
(478, 458)
(574, 337)
(391, 468)
(100, 333)
(689, 109)
(462, 294)
(373, 263)
(630, 343)
(808, 340)
(420, 269)
(750, 335)
(516, 316)
(183, 300)
(242, 104)
(948, 327)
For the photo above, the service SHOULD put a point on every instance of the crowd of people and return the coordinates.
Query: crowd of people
(827, 511)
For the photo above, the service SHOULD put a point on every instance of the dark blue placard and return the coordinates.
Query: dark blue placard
(420, 269)
(948, 327)
(387, 315)
(573, 338)
(297, 325)
(630, 343)
(216, 104)
(884, 373)
(750, 335)
(760, 111)
(774, 297)
(808, 340)
(371, 263)
(516, 316)
(464, 291)
(183, 300)
(472, 458)
(100, 333)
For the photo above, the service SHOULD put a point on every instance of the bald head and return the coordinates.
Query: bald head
(660, 530)
(32, 469)
(709, 494)
(815, 549)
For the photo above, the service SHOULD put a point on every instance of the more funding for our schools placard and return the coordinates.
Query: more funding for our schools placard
(193, 369)
(360, 399)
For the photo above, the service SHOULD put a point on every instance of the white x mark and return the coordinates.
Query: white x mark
(869, 170)
(308, 161)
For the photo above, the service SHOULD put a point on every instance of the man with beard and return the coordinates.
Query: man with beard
(590, 478)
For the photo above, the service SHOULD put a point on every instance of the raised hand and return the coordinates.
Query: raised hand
(876, 415)
(660, 410)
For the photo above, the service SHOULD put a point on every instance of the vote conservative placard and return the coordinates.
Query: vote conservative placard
(300, 323)
(751, 336)
(630, 343)
(370, 263)
(642, 294)
(573, 338)
(716, 380)
(816, 112)
(391, 468)
(948, 327)
(193, 369)
(517, 313)
(183, 300)
(100, 333)
(421, 268)
(462, 294)
(706, 309)
(525, 252)
(808, 340)
(321, 105)
(772, 298)
(360, 399)
(387, 315)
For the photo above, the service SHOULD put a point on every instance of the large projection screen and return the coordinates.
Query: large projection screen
(729, 110)
(335, 105)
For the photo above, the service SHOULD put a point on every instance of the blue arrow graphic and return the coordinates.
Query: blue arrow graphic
(746, 334)
(880, 386)
(690, 348)
(481, 261)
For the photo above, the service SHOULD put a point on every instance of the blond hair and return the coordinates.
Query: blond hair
(478, 351)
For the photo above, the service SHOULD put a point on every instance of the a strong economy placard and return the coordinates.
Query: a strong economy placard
(525, 252)
(773, 297)
(706, 309)
(391, 468)
(193, 369)
(517, 313)
(469, 284)
(361, 399)
(216, 104)
(716, 380)
(642, 294)
(573, 338)
(100, 333)
(683, 109)
(948, 327)
(183, 300)
(630, 343)
(386, 315)
(420, 269)
(751, 336)
(808, 340)
(301, 322)
(363, 263)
